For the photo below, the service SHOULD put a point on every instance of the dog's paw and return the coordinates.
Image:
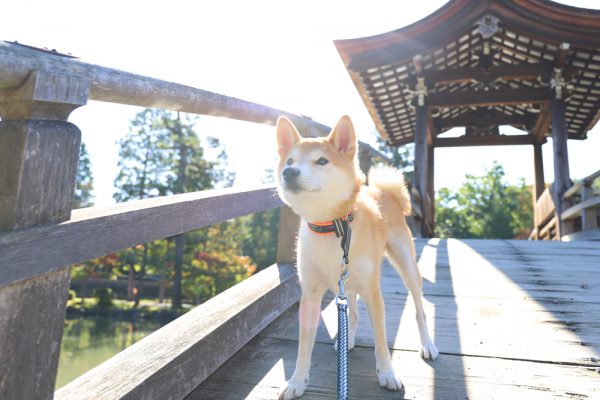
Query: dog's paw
(292, 390)
(389, 380)
(429, 351)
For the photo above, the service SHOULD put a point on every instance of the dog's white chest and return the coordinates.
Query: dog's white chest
(319, 262)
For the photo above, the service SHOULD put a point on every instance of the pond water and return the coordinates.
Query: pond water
(89, 341)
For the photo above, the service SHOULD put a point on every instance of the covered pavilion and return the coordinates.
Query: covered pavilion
(530, 64)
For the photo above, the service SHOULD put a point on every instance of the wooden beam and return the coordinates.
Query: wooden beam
(542, 123)
(431, 186)
(39, 150)
(576, 210)
(562, 178)
(17, 62)
(500, 140)
(421, 165)
(93, 232)
(490, 117)
(589, 215)
(538, 166)
(518, 71)
(287, 234)
(489, 98)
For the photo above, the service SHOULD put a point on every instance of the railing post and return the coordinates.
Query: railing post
(562, 180)
(39, 151)
(421, 170)
(287, 236)
(589, 219)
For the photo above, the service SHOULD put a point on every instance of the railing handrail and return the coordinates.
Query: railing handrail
(17, 62)
(577, 186)
(96, 231)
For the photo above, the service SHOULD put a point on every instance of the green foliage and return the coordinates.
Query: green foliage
(596, 186)
(485, 207)
(84, 182)
(162, 155)
(402, 157)
(104, 296)
(261, 243)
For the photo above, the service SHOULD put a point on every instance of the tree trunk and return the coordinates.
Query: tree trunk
(179, 239)
(179, 246)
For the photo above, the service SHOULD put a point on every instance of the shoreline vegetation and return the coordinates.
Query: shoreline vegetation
(124, 309)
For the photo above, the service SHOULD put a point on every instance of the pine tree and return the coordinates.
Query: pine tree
(84, 182)
(162, 155)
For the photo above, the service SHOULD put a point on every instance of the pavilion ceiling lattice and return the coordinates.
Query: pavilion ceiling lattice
(467, 75)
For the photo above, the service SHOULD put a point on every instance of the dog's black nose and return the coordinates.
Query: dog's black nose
(290, 173)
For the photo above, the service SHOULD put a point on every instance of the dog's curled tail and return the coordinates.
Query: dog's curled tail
(391, 180)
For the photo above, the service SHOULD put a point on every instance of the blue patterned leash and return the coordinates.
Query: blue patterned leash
(341, 300)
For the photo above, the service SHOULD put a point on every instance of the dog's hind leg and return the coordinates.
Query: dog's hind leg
(401, 253)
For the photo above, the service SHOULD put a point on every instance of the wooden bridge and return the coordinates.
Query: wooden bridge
(512, 319)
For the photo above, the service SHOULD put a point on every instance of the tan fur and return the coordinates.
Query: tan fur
(391, 180)
(325, 192)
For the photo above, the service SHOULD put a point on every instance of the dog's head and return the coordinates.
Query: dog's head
(318, 178)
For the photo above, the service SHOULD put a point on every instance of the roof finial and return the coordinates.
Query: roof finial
(487, 26)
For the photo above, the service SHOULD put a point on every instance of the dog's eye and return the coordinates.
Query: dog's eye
(289, 161)
(322, 161)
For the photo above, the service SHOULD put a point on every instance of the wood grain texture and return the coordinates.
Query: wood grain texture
(500, 140)
(562, 177)
(512, 319)
(32, 315)
(420, 170)
(38, 165)
(92, 232)
(171, 362)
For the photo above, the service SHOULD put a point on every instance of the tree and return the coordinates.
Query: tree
(261, 243)
(402, 157)
(84, 182)
(485, 207)
(162, 155)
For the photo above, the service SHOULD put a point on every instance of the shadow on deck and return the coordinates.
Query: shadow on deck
(512, 319)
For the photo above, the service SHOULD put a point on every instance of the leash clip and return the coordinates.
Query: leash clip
(343, 278)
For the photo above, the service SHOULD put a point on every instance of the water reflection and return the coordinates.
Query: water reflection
(90, 341)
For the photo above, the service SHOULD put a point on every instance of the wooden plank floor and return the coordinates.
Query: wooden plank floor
(512, 320)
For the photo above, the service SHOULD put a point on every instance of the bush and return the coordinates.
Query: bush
(104, 296)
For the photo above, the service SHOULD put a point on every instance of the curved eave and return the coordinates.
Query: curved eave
(546, 20)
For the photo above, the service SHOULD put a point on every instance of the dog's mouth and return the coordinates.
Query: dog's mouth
(294, 187)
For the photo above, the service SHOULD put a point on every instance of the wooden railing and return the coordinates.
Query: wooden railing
(579, 220)
(545, 220)
(40, 237)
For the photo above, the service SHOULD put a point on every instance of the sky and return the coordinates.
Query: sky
(276, 53)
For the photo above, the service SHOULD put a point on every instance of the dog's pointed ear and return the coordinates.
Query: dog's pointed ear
(287, 136)
(343, 138)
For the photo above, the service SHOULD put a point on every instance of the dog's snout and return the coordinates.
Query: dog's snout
(290, 173)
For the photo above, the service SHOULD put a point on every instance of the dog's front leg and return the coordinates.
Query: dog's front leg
(310, 310)
(376, 309)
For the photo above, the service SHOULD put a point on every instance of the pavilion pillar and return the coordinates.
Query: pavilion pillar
(538, 166)
(421, 175)
(39, 151)
(562, 180)
(430, 184)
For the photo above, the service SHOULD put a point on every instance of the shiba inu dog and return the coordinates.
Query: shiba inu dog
(321, 181)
